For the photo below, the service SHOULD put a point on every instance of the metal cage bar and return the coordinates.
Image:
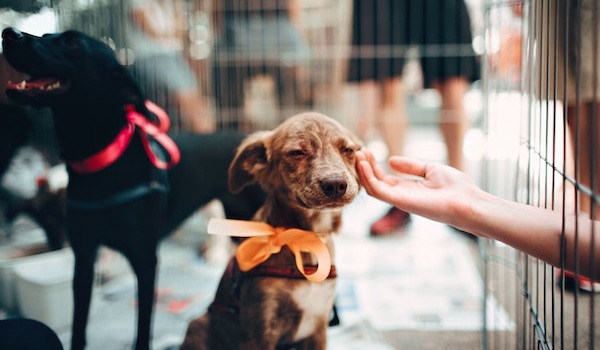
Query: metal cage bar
(557, 168)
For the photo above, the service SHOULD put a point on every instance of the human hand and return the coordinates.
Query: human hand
(432, 190)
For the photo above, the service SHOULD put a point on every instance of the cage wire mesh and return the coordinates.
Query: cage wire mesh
(541, 77)
(248, 64)
(242, 65)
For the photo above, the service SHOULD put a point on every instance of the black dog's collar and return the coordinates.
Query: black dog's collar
(115, 149)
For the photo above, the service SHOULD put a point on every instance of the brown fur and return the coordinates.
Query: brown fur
(306, 166)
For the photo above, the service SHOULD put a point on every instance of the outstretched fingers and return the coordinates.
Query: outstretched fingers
(366, 155)
(408, 166)
(372, 184)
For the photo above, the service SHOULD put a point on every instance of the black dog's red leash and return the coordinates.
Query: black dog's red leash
(115, 149)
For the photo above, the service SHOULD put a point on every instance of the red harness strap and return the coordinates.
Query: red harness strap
(115, 149)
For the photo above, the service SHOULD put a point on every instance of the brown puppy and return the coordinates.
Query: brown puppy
(306, 167)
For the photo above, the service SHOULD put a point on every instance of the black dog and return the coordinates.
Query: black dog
(128, 204)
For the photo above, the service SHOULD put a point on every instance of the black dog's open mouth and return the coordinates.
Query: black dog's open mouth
(35, 86)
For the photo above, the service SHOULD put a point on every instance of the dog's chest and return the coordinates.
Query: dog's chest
(316, 301)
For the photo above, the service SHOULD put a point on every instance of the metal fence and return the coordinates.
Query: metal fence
(541, 77)
(541, 117)
(251, 63)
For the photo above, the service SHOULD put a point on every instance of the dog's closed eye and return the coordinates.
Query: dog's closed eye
(348, 151)
(296, 153)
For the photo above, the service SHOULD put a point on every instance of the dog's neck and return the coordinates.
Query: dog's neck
(102, 127)
(279, 213)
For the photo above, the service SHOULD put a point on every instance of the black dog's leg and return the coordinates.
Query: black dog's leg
(144, 267)
(82, 293)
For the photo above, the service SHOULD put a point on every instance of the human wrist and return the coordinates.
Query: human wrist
(471, 210)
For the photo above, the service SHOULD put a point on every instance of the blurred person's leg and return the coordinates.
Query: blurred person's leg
(380, 38)
(583, 106)
(576, 20)
(368, 105)
(584, 166)
(443, 28)
(454, 121)
(392, 120)
(585, 133)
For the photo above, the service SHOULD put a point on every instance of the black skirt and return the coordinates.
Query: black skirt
(383, 30)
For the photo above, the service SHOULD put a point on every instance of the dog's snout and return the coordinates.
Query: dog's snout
(334, 187)
(11, 34)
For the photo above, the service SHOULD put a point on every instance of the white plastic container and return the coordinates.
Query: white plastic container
(8, 297)
(10, 257)
(44, 288)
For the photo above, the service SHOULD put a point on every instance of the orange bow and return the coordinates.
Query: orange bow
(265, 240)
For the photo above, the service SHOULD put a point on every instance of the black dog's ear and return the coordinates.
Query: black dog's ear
(250, 162)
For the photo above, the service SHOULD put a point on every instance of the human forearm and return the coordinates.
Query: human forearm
(535, 231)
(444, 194)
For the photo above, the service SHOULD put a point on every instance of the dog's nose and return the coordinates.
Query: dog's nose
(334, 187)
(11, 34)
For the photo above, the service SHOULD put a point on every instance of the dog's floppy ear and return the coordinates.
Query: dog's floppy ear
(250, 161)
